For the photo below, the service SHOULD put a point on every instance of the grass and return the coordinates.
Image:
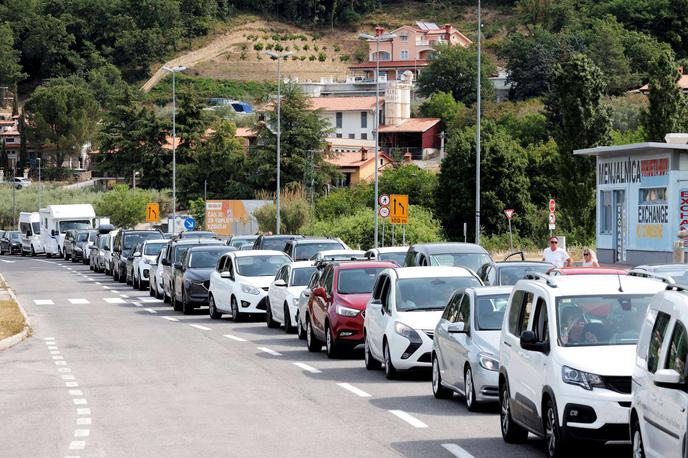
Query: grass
(11, 319)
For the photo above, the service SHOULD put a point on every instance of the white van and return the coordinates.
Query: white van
(30, 233)
(57, 219)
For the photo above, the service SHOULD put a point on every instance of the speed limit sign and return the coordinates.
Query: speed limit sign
(384, 200)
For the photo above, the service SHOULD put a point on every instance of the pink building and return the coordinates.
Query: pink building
(410, 50)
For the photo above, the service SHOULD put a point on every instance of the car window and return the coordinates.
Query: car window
(384, 294)
(656, 340)
(328, 279)
(395, 257)
(429, 293)
(515, 311)
(509, 275)
(301, 275)
(489, 311)
(357, 281)
(452, 311)
(472, 261)
(526, 308)
(131, 240)
(274, 244)
(491, 275)
(260, 266)
(152, 249)
(410, 259)
(678, 350)
(36, 228)
(540, 323)
(313, 282)
(204, 259)
(304, 251)
(464, 315)
(279, 273)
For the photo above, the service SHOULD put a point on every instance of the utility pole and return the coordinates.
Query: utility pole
(40, 184)
(174, 71)
(477, 144)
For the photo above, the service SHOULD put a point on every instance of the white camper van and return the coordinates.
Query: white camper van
(57, 219)
(30, 233)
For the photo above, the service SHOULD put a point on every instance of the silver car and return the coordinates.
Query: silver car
(465, 350)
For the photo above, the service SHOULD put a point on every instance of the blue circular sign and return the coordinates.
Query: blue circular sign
(189, 223)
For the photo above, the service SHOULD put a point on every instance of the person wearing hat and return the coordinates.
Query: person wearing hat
(555, 255)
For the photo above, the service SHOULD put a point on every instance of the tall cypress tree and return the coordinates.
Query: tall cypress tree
(668, 106)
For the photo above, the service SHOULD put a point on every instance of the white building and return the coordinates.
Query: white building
(349, 117)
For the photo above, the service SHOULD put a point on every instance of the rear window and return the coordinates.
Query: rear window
(152, 249)
(205, 259)
(509, 275)
(429, 293)
(301, 275)
(397, 258)
(357, 281)
(304, 251)
(131, 240)
(473, 261)
(274, 244)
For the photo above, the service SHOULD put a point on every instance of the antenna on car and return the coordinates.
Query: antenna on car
(618, 276)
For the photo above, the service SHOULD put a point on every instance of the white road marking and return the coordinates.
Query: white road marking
(270, 351)
(82, 432)
(76, 393)
(71, 384)
(64, 369)
(52, 347)
(137, 304)
(308, 368)
(198, 326)
(48, 338)
(60, 363)
(149, 299)
(83, 411)
(99, 283)
(80, 401)
(69, 268)
(43, 302)
(123, 295)
(114, 300)
(457, 451)
(410, 419)
(106, 287)
(151, 311)
(9, 262)
(354, 390)
(170, 318)
(79, 301)
(56, 357)
(54, 352)
(238, 339)
(83, 421)
(68, 377)
(77, 445)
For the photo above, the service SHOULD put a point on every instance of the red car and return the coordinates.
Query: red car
(335, 309)
(586, 271)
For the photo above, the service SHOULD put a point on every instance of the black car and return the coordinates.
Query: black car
(467, 255)
(82, 246)
(196, 235)
(125, 242)
(192, 275)
(304, 249)
(10, 243)
(273, 242)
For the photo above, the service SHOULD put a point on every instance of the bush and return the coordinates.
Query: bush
(312, 58)
(242, 56)
(269, 46)
(258, 46)
(337, 48)
(361, 53)
(306, 47)
(302, 58)
(344, 58)
(294, 212)
(322, 57)
(278, 47)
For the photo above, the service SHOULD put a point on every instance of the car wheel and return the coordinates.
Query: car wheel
(439, 391)
(288, 327)
(390, 370)
(151, 291)
(469, 397)
(268, 317)
(371, 363)
(85, 261)
(122, 277)
(311, 341)
(637, 438)
(187, 308)
(142, 286)
(330, 343)
(300, 332)
(555, 436)
(165, 297)
(511, 432)
(33, 251)
(236, 314)
(159, 294)
(22, 252)
(74, 260)
(128, 278)
(212, 310)
(175, 303)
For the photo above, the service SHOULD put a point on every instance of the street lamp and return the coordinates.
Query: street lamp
(379, 38)
(477, 145)
(40, 183)
(174, 71)
(278, 57)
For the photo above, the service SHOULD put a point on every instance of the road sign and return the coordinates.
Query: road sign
(383, 212)
(552, 205)
(153, 213)
(399, 209)
(509, 213)
(552, 218)
(189, 223)
(384, 200)
(552, 227)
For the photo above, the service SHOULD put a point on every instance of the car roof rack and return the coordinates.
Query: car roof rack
(646, 274)
(548, 279)
(676, 287)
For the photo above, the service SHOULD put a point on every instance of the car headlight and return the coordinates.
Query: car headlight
(346, 311)
(146, 261)
(583, 379)
(248, 289)
(489, 362)
(408, 332)
(295, 301)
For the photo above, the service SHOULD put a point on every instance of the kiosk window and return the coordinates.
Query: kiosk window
(605, 212)
(652, 196)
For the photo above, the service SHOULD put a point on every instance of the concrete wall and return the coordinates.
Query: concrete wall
(351, 124)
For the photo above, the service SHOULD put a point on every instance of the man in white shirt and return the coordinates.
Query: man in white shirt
(555, 255)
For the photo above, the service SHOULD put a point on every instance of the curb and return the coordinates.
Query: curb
(24, 333)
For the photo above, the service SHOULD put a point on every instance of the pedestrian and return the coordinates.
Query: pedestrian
(589, 258)
(555, 255)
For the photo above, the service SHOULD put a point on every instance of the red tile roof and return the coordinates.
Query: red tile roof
(411, 125)
(344, 103)
(245, 132)
(354, 159)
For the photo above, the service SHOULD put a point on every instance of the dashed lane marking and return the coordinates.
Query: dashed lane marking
(43, 302)
(238, 339)
(80, 401)
(198, 326)
(77, 445)
(149, 300)
(269, 351)
(9, 262)
(83, 411)
(114, 300)
(151, 311)
(76, 393)
(457, 451)
(82, 432)
(357, 391)
(71, 384)
(83, 421)
(170, 318)
(79, 301)
(410, 419)
(307, 368)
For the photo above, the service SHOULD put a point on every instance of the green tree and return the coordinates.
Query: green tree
(410, 179)
(442, 105)
(197, 211)
(62, 115)
(667, 105)
(453, 69)
(127, 207)
(10, 68)
(294, 212)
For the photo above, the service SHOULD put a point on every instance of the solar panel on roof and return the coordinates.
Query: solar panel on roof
(427, 25)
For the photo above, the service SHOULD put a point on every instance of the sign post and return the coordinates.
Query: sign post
(153, 213)
(552, 217)
(399, 213)
(509, 214)
(383, 212)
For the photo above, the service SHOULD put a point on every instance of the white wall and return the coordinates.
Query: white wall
(351, 124)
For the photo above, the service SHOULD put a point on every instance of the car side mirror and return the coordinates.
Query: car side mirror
(457, 328)
(165, 262)
(177, 265)
(669, 378)
(280, 283)
(54, 233)
(225, 274)
(529, 342)
(320, 292)
(137, 254)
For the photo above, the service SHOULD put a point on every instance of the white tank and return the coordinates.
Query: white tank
(398, 99)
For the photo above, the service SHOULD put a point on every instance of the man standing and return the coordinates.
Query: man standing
(555, 255)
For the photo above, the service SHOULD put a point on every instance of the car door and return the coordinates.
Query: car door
(277, 294)
(373, 315)
(321, 304)
(215, 281)
(460, 343)
(534, 363)
(442, 338)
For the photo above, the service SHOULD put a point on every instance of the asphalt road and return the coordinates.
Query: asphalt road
(110, 371)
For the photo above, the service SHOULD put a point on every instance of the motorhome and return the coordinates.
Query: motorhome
(57, 219)
(30, 233)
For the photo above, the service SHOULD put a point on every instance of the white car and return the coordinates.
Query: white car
(660, 380)
(338, 255)
(396, 254)
(155, 287)
(239, 284)
(284, 292)
(302, 307)
(20, 182)
(401, 316)
(144, 259)
(110, 243)
(566, 356)
(465, 350)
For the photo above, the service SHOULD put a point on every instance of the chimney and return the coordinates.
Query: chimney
(447, 32)
(379, 30)
(364, 154)
(408, 158)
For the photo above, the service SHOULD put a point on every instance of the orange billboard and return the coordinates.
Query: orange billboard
(232, 217)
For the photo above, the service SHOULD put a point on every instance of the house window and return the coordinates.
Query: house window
(605, 212)
(404, 54)
(403, 37)
(352, 136)
(364, 120)
(649, 196)
(364, 136)
(338, 122)
(339, 135)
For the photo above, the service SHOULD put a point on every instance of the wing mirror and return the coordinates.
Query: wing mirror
(54, 233)
(165, 262)
(280, 283)
(529, 342)
(669, 378)
(225, 274)
(177, 265)
(457, 328)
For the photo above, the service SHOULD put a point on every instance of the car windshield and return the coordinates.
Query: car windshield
(489, 311)
(600, 320)
(152, 249)
(509, 275)
(92, 236)
(357, 281)
(301, 275)
(205, 259)
(82, 237)
(131, 240)
(429, 293)
(473, 261)
(103, 242)
(36, 228)
(239, 242)
(14, 235)
(197, 235)
(274, 244)
(304, 251)
(397, 258)
(260, 266)
(80, 224)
